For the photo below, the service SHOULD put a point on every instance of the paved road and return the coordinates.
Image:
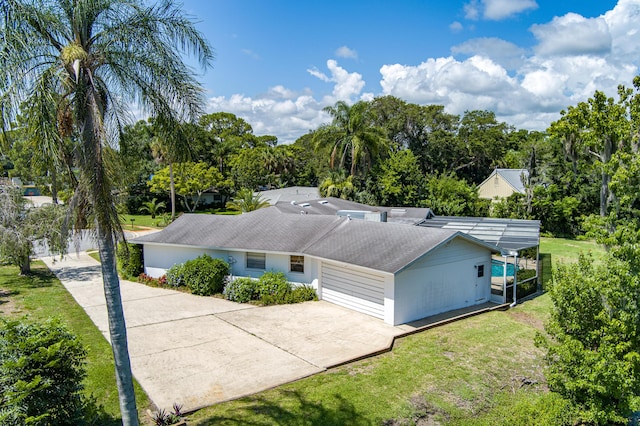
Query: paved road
(198, 351)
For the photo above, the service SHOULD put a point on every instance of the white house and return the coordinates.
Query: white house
(391, 271)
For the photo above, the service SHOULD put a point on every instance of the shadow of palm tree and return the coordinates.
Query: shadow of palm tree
(297, 410)
(84, 273)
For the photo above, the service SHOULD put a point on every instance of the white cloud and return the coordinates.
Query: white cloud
(456, 27)
(251, 54)
(526, 89)
(472, 10)
(500, 51)
(345, 52)
(573, 34)
(496, 10)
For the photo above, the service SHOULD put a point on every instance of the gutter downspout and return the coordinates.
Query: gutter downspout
(504, 279)
(515, 280)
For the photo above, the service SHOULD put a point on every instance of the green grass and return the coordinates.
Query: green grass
(140, 221)
(42, 296)
(565, 250)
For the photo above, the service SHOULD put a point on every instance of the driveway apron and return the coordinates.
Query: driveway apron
(198, 351)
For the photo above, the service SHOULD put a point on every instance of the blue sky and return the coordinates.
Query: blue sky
(278, 63)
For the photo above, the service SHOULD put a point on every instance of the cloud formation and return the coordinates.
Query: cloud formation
(346, 52)
(496, 10)
(573, 57)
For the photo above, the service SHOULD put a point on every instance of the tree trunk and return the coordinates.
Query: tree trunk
(605, 196)
(173, 193)
(117, 328)
(54, 185)
(25, 268)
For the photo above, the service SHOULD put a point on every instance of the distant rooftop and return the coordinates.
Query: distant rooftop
(293, 193)
(513, 177)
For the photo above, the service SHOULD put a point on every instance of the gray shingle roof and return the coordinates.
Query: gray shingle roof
(379, 246)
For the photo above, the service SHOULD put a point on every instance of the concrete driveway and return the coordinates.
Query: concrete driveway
(198, 351)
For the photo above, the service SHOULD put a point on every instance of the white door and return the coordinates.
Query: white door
(357, 290)
(483, 275)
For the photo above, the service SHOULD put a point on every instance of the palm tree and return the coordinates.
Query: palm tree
(355, 140)
(99, 56)
(152, 207)
(246, 201)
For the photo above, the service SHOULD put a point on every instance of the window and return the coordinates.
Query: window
(480, 271)
(256, 261)
(297, 263)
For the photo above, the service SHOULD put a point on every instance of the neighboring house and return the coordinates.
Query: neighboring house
(297, 193)
(502, 183)
(391, 271)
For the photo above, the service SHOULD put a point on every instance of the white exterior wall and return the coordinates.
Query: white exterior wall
(443, 280)
(159, 258)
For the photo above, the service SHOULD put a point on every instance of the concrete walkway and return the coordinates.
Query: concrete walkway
(198, 351)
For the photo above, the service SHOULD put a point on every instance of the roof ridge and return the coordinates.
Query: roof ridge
(324, 235)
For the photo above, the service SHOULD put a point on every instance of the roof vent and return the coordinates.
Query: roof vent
(293, 203)
(323, 202)
(305, 205)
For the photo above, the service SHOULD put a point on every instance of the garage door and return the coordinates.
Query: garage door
(357, 290)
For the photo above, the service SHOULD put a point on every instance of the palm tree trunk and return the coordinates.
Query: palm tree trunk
(117, 328)
(173, 193)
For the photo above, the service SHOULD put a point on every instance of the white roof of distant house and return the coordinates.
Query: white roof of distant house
(293, 193)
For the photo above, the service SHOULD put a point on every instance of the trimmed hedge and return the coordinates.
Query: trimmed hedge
(205, 275)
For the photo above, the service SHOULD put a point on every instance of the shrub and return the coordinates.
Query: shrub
(147, 280)
(241, 290)
(205, 275)
(301, 293)
(273, 287)
(175, 275)
(41, 373)
(131, 259)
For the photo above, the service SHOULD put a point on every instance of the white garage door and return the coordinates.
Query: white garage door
(357, 290)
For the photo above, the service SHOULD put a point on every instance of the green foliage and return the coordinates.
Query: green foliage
(273, 286)
(593, 339)
(131, 258)
(399, 181)
(449, 196)
(302, 293)
(191, 181)
(241, 290)
(41, 373)
(175, 275)
(559, 215)
(337, 185)
(205, 275)
(152, 207)
(21, 227)
(246, 201)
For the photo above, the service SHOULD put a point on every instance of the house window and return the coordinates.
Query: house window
(480, 271)
(256, 261)
(297, 264)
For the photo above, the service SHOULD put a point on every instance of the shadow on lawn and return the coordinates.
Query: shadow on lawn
(294, 409)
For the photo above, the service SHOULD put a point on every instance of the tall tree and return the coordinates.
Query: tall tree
(87, 59)
(356, 143)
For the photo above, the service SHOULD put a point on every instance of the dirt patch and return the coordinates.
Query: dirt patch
(424, 414)
(7, 304)
(525, 318)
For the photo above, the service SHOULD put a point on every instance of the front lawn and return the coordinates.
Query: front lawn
(41, 296)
